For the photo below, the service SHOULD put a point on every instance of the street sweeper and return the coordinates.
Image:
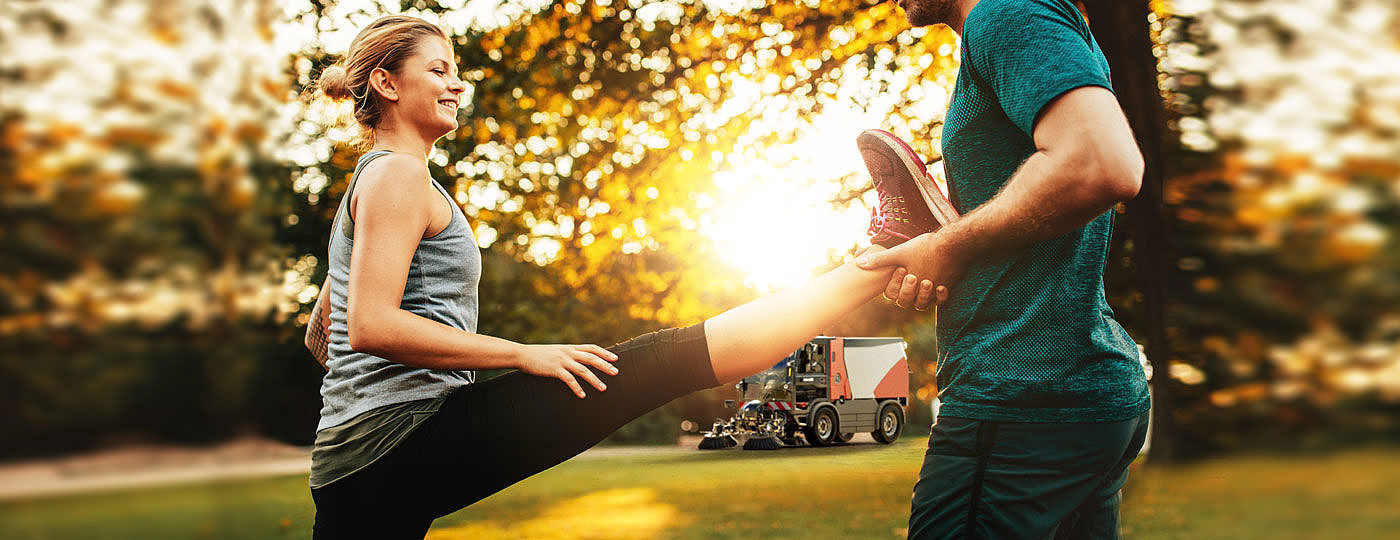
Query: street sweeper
(823, 394)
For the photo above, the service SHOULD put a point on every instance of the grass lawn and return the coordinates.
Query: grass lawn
(856, 492)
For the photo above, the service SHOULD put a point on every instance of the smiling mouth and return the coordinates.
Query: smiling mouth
(448, 103)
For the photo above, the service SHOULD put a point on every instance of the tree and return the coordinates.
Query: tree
(1124, 37)
(138, 210)
(1284, 217)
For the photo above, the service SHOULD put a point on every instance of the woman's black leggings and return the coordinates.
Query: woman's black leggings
(492, 434)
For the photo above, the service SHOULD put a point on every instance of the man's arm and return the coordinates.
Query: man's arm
(318, 328)
(1086, 161)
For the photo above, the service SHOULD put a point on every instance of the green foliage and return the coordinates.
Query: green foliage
(1283, 316)
(142, 287)
(656, 427)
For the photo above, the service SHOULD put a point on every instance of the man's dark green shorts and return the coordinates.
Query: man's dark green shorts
(984, 479)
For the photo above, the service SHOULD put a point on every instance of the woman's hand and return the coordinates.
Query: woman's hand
(567, 363)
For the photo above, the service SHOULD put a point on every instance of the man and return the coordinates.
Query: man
(1044, 403)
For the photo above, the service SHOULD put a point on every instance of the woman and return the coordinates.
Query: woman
(405, 435)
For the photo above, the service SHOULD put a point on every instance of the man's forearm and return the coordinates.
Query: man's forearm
(1045, 198)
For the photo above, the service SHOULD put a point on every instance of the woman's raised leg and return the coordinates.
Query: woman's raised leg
(494, 433)
(752, 337)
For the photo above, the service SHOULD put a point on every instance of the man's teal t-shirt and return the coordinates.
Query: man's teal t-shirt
(1028, 337)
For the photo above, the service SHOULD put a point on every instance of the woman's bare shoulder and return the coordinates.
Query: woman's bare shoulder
(390, 183)
(392, 168)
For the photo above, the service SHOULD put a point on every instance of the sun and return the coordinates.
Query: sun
(777, 223)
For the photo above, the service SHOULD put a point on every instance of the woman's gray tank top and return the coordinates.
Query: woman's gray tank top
(442, 286)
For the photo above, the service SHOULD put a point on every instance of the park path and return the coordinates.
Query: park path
(152, 466)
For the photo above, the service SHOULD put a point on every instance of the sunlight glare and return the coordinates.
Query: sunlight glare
(776, 222)
(630, 514)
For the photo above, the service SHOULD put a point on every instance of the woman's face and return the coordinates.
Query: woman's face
(429, 91)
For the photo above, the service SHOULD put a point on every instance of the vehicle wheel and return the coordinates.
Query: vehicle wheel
(846, 437)
(890, 423)
(822, 430)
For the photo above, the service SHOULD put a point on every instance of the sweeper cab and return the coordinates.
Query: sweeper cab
(821, 394)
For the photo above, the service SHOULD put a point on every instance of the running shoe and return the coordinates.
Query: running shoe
(910, 202)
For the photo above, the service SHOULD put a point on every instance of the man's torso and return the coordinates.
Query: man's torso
(1028, 336)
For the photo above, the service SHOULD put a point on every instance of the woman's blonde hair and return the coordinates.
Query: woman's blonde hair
(385, 43)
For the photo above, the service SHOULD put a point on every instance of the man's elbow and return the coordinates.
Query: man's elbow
(1120, 178)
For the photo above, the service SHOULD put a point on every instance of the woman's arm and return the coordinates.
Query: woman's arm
(391, 208)
(318, 328)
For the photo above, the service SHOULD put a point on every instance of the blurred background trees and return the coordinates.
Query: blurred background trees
(144, 285)
(168, 189)
(1283, 189)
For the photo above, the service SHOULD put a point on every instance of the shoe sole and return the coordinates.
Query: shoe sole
(938, 204)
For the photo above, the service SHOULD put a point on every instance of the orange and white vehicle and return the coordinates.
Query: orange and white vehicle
(824, 392)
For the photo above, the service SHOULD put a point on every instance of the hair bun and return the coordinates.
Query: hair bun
(334, 83)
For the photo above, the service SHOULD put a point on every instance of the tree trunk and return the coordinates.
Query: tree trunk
(1121, 29)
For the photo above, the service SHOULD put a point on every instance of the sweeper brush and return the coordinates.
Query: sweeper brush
(762, 442)
(719, 442)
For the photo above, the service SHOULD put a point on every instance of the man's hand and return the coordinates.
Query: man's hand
(905, 290)
(921, 257)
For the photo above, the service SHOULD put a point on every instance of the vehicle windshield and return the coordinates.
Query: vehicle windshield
(770, 384)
